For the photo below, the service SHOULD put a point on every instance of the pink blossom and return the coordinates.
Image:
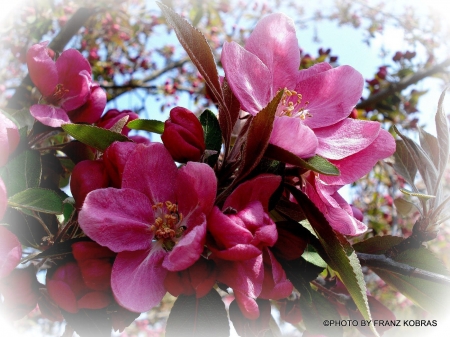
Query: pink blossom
(111, 117)
(66, 86)
(156, 222)
(314, 98)
(240, 237)
(9, 138)
(10, 250)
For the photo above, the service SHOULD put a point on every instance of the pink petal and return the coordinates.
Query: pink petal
(3, 199)
(137, 279)
(244, 276)
(259, 189)
(202, 181)
(42, 69)
(187, 250)
(346, 138)
(275, 278)
(62, 295)
(10, 251)
(118, 219)
(239, 252)
(94, 300)
(275, 43)
(249, 78)
(226, 232)
(70, 64)
(359, 164)
(247, 305)
(49, 115)
(91, 111)
(331, 95)
(151, 170)
(311, 71)
(292, 135)
(9, 138)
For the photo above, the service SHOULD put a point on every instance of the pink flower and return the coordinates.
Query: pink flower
(156, 222)
(66, 87)
(314, 98)
(9, 138)
(10, 250)
(111, 117)
(240, 237)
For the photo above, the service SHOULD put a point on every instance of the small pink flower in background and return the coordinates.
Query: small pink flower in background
(10, 250)
(66, 86)
(9, 138)
(240, 237)
(183, 136)
(111, 117)
(156, 222)
(20, 291)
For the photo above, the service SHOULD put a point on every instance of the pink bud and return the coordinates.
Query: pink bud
(183, 136)
(87, 176)
(115, 158)
(111, 117)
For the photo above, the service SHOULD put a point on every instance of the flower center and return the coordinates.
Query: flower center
(57, 96)
(291, 105)
(167, 228)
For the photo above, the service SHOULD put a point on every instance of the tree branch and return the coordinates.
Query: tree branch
(404, 83)
(385, 263)
(22, 93)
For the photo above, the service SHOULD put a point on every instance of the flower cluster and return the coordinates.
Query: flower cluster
(197, 212)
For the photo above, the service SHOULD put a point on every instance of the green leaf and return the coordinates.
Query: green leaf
(22, 118)
(337, 252)
(404, 163)
(429, 144)
(404, 207)
(315, 310)
(151, 125)
(258, 137)
(196, 317)
(377, 244)
(22, 172)
(419, 195)
(37, 199)
(316, 163)
(213, 134)
(228, 114)
(94, 136)
(88, 322)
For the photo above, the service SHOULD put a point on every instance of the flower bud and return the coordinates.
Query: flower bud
(183, 136)
(9, 138)
(87, 176)
(111, 117)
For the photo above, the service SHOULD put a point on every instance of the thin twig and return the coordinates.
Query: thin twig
(385, 263)
(403, 84)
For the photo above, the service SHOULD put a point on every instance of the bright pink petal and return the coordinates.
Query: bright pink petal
(3, 199)
(151, 170)
(259, 189)
(91, 111)
(10, 251)
(203, 181)
(42, 69)
(292, 135)
(275, 286)
(49, 115)
(118, 219)
(275, 43)
(311, 71)
(346, 138)
(137, 279)
(237, 252)
(94, 300)
(70, 64)
(331, 95)
(249, 78)
(247, 305)
(226, 232)
(187, 250)
(62, 295)
(9, 138)
(356, 166)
